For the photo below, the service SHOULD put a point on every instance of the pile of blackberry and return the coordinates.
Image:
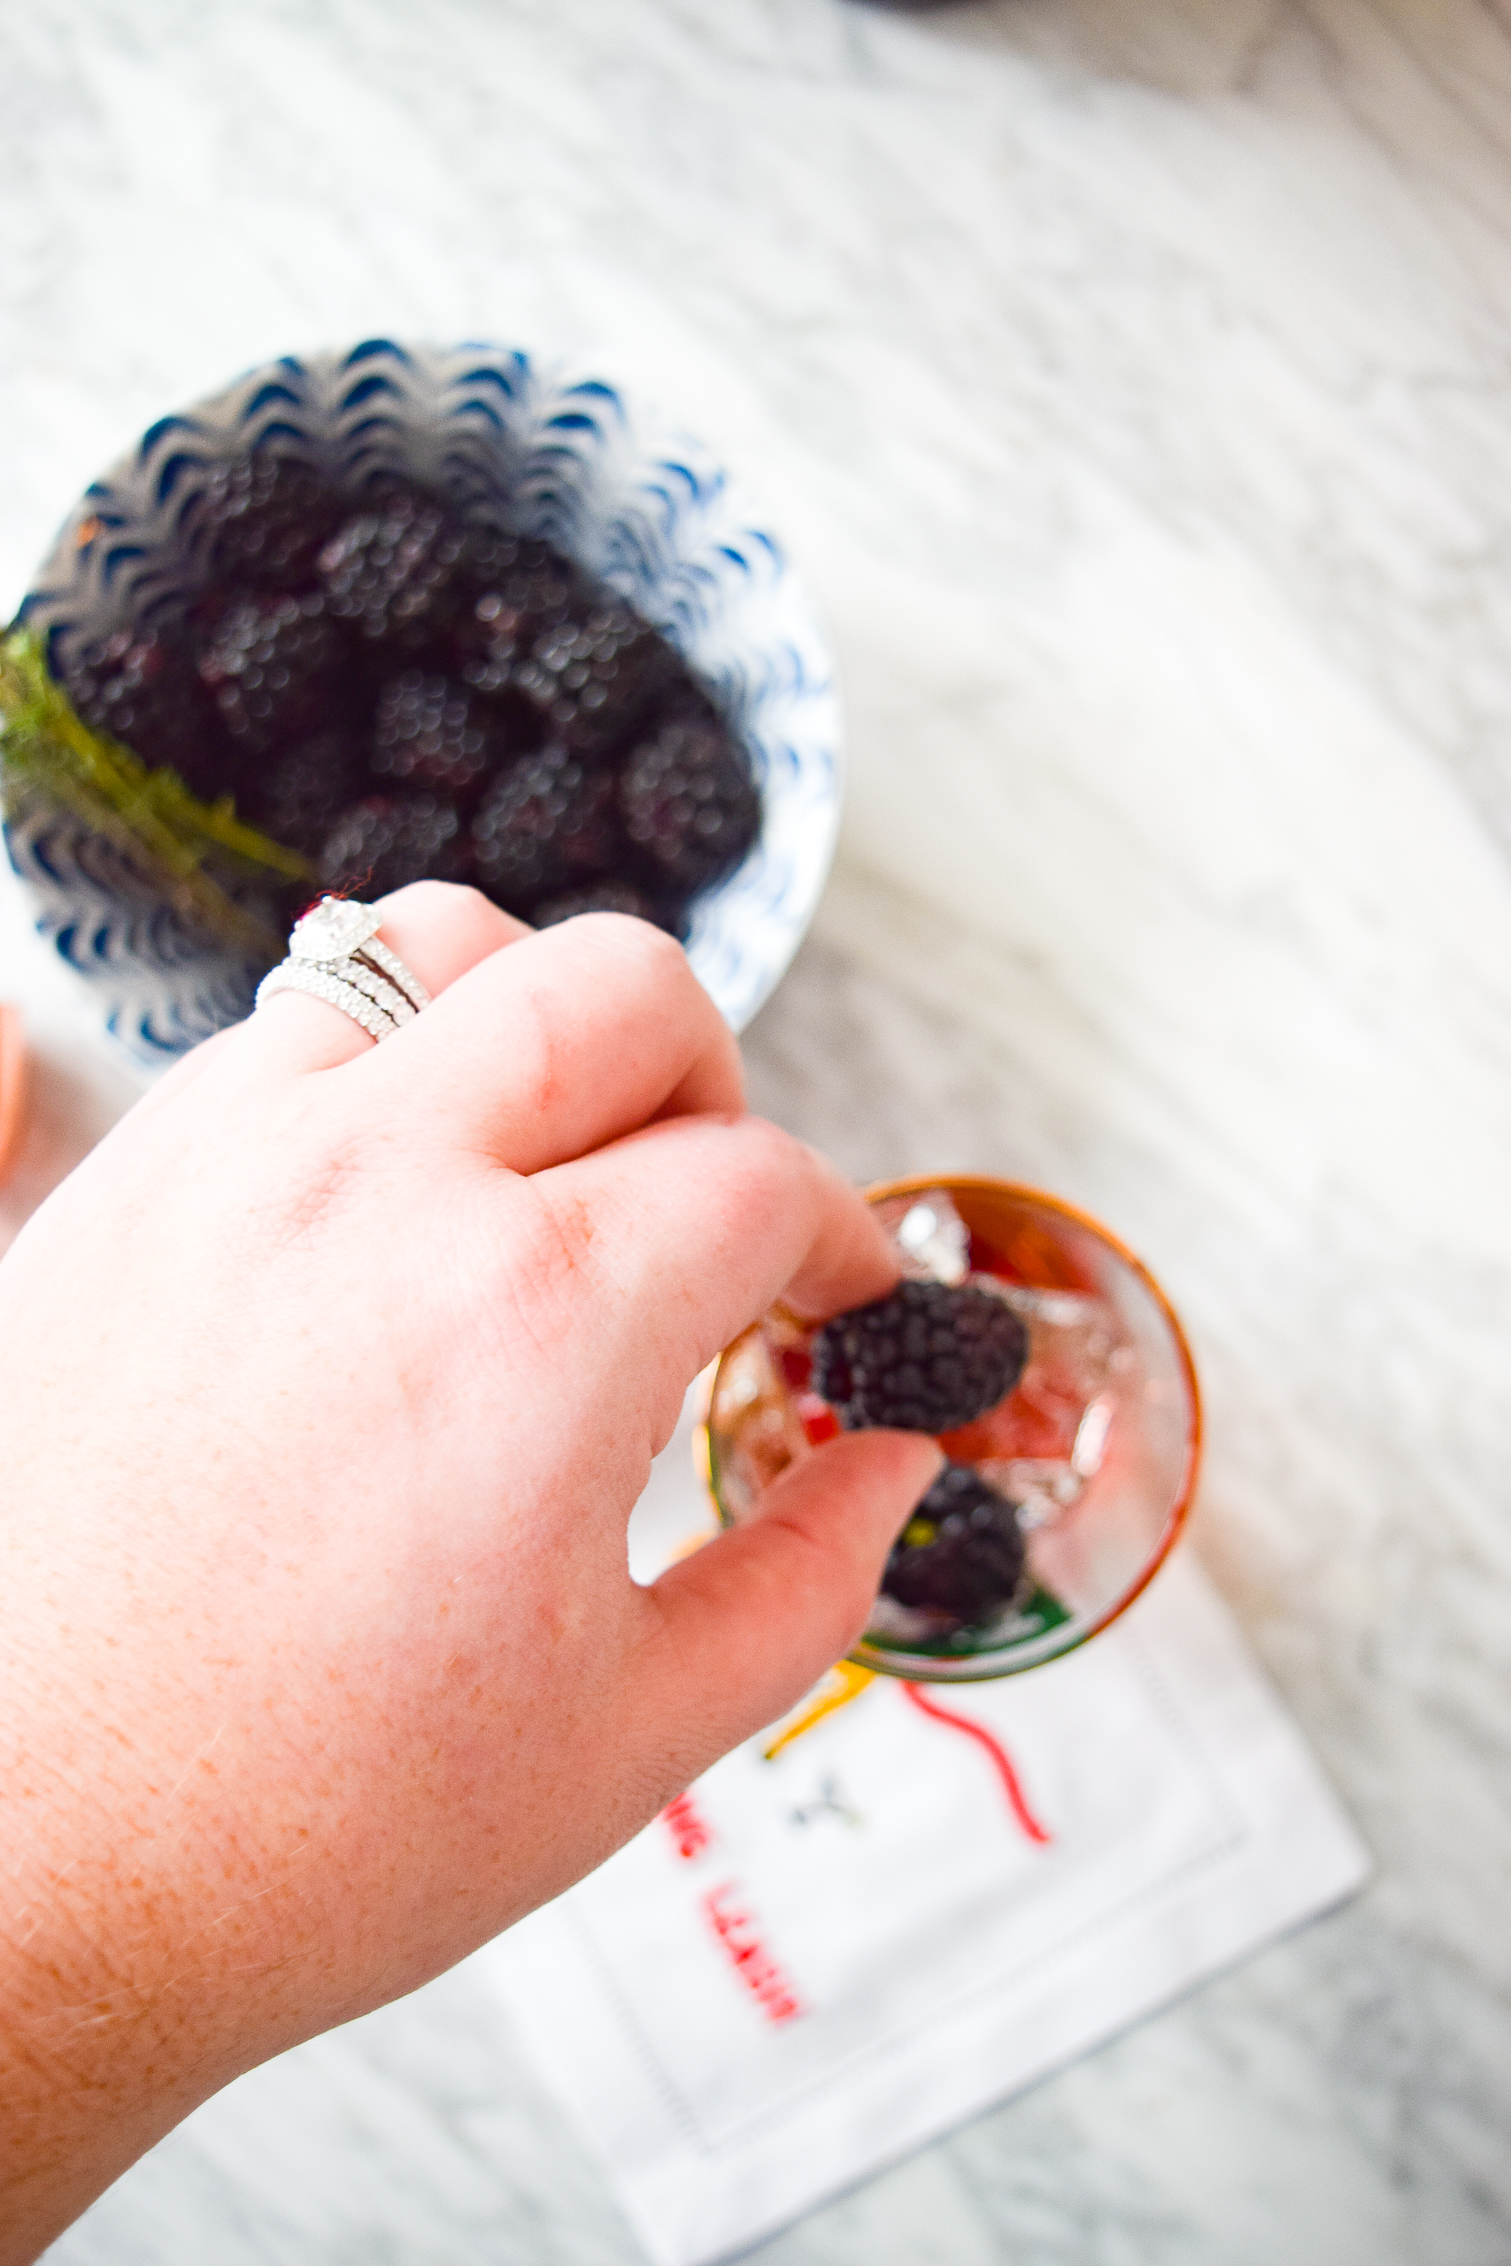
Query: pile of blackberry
(396, 692)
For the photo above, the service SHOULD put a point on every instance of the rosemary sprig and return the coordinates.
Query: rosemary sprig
(47, 750)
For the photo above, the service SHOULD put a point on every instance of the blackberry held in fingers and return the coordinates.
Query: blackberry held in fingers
(961, 1551)
(926, 1358)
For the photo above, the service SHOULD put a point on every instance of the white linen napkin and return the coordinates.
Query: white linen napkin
(813, 1963)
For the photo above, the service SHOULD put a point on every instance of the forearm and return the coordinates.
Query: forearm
(98, 2055)
(122, 2002)
(93, 2070)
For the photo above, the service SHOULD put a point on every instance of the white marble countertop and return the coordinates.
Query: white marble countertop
(1133, 385)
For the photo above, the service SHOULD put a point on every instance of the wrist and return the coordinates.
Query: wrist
(120, 2003)
(99, 2053)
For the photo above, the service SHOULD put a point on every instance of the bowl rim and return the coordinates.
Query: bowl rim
(924, 1668)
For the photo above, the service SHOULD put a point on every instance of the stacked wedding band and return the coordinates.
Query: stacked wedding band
(335, 954)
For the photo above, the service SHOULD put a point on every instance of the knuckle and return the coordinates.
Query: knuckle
(638, 944)
(433, 900)
(772, 1155)
(826, 1586)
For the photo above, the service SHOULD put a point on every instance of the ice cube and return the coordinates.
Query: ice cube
(1039, 1486)
(1047, 1439)
(933, 1241)
(1091, 1437)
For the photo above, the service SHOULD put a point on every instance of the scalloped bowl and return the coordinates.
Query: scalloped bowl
(560, 454)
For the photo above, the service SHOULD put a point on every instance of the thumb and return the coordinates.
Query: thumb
(750, 1622)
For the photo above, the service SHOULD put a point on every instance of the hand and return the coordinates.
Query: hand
(327, 1385)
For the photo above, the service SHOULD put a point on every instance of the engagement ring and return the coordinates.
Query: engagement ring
(336, 954)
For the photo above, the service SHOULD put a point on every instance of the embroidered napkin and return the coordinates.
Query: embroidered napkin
(850, 1936)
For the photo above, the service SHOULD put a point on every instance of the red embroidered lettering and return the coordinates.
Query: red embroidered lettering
(749, 1957)
(690, 1832)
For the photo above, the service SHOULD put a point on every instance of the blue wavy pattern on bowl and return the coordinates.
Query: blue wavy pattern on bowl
(532, 444)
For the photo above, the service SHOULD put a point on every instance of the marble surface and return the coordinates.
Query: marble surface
(1132, 379)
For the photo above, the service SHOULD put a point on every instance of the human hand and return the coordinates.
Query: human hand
(327, 1384)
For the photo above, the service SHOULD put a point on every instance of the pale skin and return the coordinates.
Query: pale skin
(327, 1384)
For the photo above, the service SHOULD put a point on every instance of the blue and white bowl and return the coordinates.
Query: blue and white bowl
(557, 453)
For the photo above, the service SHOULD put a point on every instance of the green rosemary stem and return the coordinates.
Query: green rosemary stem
(48, 753)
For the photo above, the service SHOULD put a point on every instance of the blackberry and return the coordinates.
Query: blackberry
(601, 897)
(592, 676)
(142, 690)
(547, 824)
(265, 519)
(301, 794)
(400, 573)
(926, 1358)
(688, 800)
(384, 841)
(275, 664)
(527, 589)
(961, 1552)
(433, 732)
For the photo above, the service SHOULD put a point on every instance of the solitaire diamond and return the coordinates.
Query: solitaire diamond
(333, 929)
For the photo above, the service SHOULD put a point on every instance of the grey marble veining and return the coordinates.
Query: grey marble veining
(1132, 379)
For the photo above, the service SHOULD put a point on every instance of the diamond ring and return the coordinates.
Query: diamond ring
(336, 954)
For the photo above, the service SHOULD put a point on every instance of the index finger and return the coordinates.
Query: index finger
(571, 1038)
(704, 1221)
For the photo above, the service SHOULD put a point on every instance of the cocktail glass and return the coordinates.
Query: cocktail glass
(1097, 1444)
